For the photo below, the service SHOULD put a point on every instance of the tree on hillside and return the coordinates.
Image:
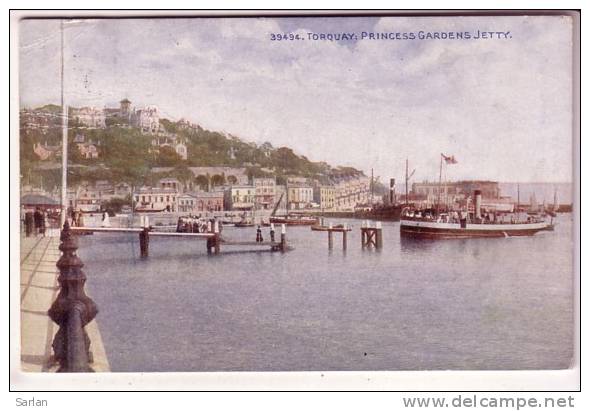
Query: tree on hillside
(218, 180)
(167, 157)
(169, 125)
(202, 181)
(286, 158)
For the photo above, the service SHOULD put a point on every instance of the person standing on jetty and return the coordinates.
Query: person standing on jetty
(105, 220)
(39, 221)
(259, 235)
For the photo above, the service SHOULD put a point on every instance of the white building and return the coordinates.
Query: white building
(349, 192)
(265, 192)
(147, 119)
(299, 196)
(186, 203)
(170, 183)
(88, 116)
(172, 141)
(240, 197)
(150, 199)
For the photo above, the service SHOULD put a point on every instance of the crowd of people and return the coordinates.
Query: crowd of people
(35, 222)
(192, 224)
(457, 217)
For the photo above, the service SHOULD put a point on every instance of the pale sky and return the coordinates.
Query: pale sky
(502, 107)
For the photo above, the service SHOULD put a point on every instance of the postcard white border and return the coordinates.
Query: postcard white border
(565, 380)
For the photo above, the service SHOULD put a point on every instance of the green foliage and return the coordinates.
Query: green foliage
(169, 126)
(50, 108)
(126, 155)
(167, 157)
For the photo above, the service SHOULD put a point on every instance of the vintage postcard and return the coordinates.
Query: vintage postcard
(278, 193)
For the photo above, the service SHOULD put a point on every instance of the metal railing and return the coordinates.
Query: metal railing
(72, 310)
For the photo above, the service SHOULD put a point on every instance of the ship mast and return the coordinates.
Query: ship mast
(372, 187)
(439, 185)
(64, 138)
(406, 181)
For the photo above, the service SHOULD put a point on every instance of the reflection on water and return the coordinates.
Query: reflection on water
(501, 303)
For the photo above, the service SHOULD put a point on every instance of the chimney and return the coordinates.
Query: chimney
(477, 203)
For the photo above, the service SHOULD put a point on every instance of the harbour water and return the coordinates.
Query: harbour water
(504, 303)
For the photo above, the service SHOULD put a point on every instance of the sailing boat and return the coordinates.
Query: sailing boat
(534, 206)
(290, 219)
(552, 210)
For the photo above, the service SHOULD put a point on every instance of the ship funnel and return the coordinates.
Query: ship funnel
(477, 203)
(392, 191)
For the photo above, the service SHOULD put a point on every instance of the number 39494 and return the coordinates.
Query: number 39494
(285, 36)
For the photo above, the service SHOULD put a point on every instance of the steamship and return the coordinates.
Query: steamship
(463, 224)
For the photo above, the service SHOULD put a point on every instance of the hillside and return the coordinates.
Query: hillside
(125, 154)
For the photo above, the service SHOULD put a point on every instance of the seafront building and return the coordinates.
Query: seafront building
(454, 192)
(350, 192)
(155, 199)
(240, 197)
(299, 196)
(325, 196)
(265, 191)
(89, 197)
(201, 201)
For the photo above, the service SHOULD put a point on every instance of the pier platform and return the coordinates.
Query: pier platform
(38, 290)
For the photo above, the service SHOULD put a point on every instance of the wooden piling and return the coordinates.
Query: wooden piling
(283, 238)
(363, 242)
(217, 238)
(372, 236)
(344, 240)
(217, 241)
(330, 239)
(144, 242)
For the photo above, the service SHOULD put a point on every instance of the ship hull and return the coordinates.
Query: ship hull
(391, 213)
(434, 230)
(293, 221)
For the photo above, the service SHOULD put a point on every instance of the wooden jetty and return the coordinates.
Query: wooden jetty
(342, 228)
(213, 237)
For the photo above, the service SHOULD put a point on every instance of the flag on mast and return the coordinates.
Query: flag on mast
(449, 159)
